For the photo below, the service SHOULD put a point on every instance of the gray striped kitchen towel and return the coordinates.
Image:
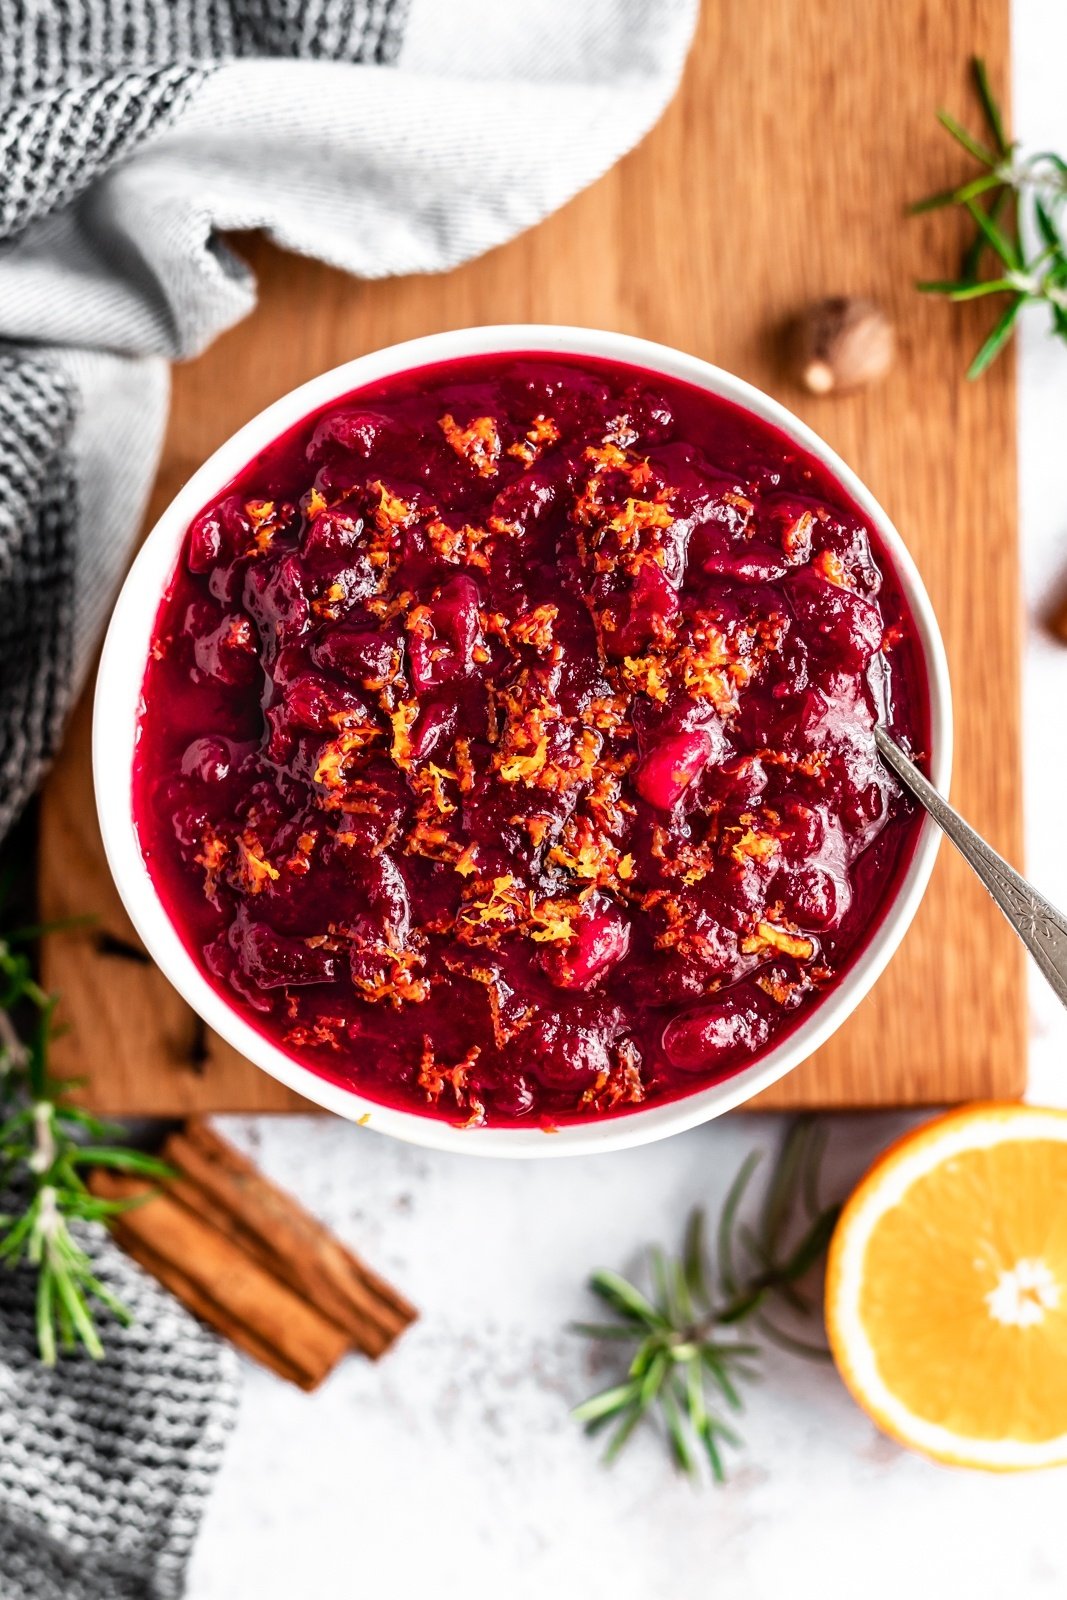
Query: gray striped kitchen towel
(383, 136)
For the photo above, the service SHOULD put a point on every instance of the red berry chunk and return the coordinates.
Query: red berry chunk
(669, 768)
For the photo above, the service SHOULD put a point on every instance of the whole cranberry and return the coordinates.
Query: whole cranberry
(647, 415)
(512, 1097)
(528, 500)
(217, 535)
(601, 940)
(276, 960)
(276, 597)
(313, 702)
(331, 538)
(228, 652)
(714, 1034)
(562, 1052)
(846, 628)
(670, 766)
(755, 564)
(366, 657)
(354, 432)
(434, 729)
(444, 649)
(643, 614)
(207, 759)
(811, 896)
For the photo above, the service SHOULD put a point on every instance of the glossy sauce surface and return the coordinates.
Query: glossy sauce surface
(506, 748)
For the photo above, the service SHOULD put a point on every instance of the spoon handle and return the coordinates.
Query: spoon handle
(1042, 929)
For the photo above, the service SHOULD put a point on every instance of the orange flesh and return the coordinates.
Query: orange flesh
(930, 1263)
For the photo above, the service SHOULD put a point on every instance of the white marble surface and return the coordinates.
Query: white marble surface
(452, 1469)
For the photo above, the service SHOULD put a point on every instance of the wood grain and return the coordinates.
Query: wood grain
(780, 174)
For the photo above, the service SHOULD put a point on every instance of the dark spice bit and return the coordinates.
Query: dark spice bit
(198, 1047)
(1057, 619)
(109, 944)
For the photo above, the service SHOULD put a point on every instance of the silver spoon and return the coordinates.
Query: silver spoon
(1042, 929)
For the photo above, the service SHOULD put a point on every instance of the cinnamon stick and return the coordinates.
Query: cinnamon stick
(194, 1299)
(221, 1283)
(221, 1186)
(247, 1258)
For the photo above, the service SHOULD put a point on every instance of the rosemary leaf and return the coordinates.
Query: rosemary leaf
(1008, 251)
(624, 1298)
(652, 1383)
(727, 1217)
(934, 202)
(694, 1257)
(1019, 226)
(71, 1293)
(44, 1143)
(631, 1418)
(590, 1330)
(707, 1438)
(46, 1318)
(122, 1159)
(969, 143)
(680, 1296)
(782, 1188)
(672, 1416)
(1046, 226)
(990, 107)
(809, 1178)
(686, 1366)
(661, 1283)
(972, 256)
(606, 1403)
(694, 1391)
(997, 339)
(786, 1341)
(959, 292)
(720, 1377)
(811, 1248)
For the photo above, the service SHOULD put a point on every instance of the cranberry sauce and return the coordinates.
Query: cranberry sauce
(506, 750)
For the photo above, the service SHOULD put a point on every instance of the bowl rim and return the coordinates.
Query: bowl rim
(117, 706)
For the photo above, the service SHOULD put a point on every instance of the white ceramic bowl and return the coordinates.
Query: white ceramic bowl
(118, 703)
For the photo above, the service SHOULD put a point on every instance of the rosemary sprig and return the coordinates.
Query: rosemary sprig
(45, 1146)
(1016, 205)
(688, 1364)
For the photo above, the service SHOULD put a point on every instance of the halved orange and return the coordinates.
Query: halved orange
(946, 1289)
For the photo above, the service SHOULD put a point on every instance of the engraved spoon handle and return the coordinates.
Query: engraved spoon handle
(1042, 929)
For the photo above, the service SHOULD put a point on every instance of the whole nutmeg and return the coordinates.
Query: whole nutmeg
(840, 344)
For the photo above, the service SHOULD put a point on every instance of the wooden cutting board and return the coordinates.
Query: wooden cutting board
(780, 174)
